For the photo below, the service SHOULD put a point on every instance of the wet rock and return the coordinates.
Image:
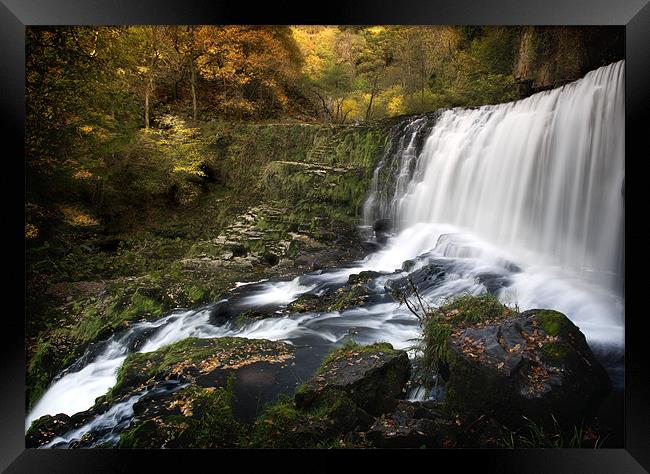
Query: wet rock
(493, 282)
(204, 362)
(382, 225)
(408, 265)
(46, 428)
(363, 277)
(236, 248)
(370, 246)
(338, 300)
(423, 278)
(270, 259)
(193, 417)
(372, 376)
(531, 364)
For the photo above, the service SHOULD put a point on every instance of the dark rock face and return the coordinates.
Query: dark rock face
(550, 56)
(370, 246)
(382, 228)
(382, 225)
(413, 425)
(372, 376)
(47, 428)
(533, 364)
(363, 277)
(202, 362)
(423, 278)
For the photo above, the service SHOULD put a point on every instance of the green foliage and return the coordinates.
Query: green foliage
(551, 321)
(282, 425)
(466, 308)
(435, 336)
(455, 312)
(537, 435)
(218, 426)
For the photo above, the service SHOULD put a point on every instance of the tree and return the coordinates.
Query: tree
(373, 60)
(250, 67)
(150, 61)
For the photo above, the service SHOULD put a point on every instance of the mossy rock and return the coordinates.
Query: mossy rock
(46, 428)
(373, 376)
(195, 418)
(194, 360)
(454, 314)
(525, 365)
(283, 425)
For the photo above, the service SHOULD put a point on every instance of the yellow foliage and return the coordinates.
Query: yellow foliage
(31, 231)
(375, 30)
(75, 217)
(396, 105)
(82, 174)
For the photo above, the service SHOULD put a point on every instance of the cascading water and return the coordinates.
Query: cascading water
(544, 174)
(521, 199)
(542, 178)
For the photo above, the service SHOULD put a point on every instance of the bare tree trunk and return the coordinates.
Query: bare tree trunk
(146, 103)
(325, 107)
(422, 77)
(372, 96)
(372, 93)
(192, 81)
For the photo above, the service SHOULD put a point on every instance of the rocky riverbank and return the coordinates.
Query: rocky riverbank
(270, 201)
(511, 379)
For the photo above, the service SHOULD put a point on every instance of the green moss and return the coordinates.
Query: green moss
(282, 425)
(474, 309)
(141, 367)
(347, 299)
(551, 321)
(196, 294)
(211, 425)
(278, 425)
(38, 378)
(139, 435)
(147, 365)
(100, 317)
(456, 312)
(556, 351)
(351, 346)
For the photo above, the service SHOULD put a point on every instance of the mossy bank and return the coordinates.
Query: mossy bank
(225, 202)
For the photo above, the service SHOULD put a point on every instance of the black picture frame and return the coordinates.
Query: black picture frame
(16, 14)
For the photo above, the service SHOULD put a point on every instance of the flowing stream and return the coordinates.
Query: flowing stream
(523, 199)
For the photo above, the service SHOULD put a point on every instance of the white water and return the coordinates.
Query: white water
(528, 191)
(543, 175)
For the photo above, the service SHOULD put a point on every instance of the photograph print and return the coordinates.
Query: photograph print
(322, 236)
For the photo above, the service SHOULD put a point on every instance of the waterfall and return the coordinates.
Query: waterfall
(522, 199)
(542, 176)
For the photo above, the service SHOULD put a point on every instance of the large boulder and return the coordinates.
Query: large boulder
(336, 406)
(203, 362)
(373, 377)
(533, 364)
